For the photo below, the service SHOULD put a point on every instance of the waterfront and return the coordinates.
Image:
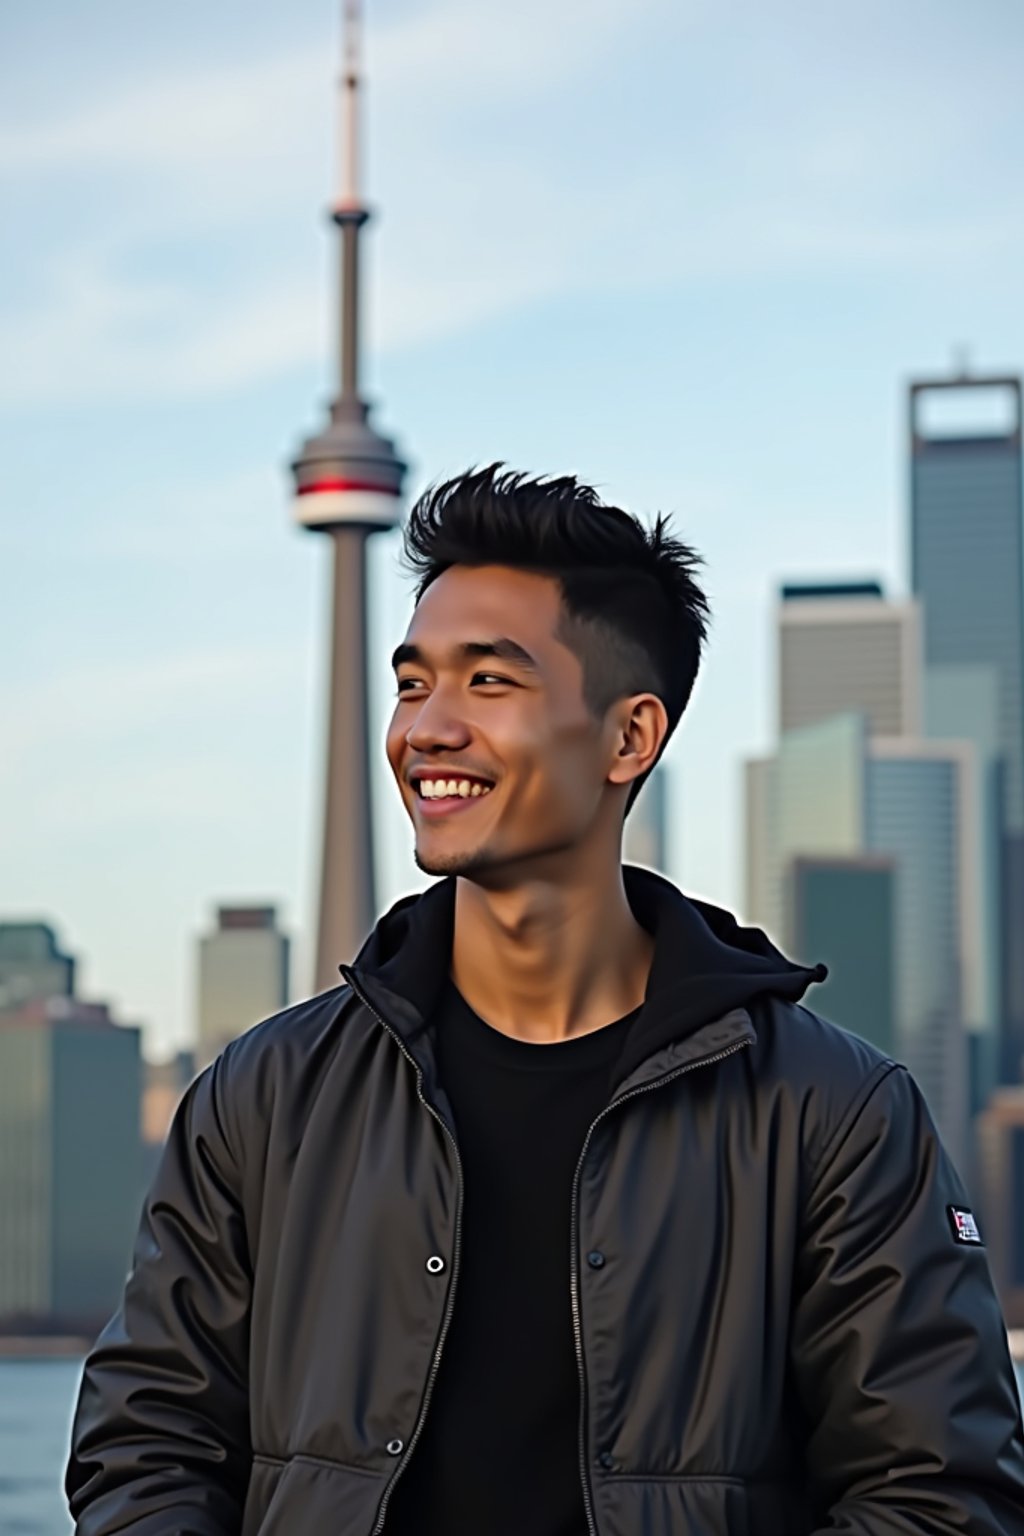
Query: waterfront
(36, 1402)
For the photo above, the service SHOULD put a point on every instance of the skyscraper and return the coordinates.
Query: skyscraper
(844, 646)
(966, 556)
(70, 1160)
(920, 810)
(243, 976)
(32, 964)
(968, 569)
(348, 483)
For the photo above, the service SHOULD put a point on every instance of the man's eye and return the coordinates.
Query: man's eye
(494, 678)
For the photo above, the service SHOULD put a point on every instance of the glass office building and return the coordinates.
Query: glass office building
(968, 569)
(70, 1160)
(918, 812)
(966, 558)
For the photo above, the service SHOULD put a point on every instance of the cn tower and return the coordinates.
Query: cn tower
(348, 485)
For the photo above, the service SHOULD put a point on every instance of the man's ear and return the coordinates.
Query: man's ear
(640, 728)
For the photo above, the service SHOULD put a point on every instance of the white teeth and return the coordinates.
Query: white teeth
(463, 789)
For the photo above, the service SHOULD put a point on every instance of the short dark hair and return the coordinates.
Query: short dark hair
(633, 611)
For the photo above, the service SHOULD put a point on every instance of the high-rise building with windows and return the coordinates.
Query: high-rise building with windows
(968, 570)
(920, 811)
(70, 1160)
(32, 964)
(243, 976)
(967, 563)
(845, 646)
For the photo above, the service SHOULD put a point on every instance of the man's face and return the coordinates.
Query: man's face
(514, 722)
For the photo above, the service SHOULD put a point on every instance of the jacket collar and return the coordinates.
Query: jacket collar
(707, 972)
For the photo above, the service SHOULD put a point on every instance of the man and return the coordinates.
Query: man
(561, 1217)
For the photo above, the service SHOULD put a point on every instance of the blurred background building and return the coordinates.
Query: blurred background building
(32, 965)
(646, 834)
(70, 1161)
(242, 976)
(1001, 1157)
(163, 1084)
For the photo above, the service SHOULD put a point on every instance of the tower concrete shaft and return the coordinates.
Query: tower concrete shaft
(348, 484)
(348, 898)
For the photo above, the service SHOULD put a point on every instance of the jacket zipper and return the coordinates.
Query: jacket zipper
(446, 1319)
(705, 1061)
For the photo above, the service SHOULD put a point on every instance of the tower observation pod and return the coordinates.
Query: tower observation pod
(348, 484)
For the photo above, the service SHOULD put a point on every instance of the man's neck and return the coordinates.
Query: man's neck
(544, 962)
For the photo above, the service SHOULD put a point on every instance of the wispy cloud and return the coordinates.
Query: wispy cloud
(509, 174)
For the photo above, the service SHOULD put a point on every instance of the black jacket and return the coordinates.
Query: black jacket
(785, 1337)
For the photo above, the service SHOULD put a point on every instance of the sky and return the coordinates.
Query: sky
(691, 252)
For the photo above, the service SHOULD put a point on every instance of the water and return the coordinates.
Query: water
(37, 1399)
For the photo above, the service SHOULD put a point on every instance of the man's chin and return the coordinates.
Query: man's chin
(460, 863)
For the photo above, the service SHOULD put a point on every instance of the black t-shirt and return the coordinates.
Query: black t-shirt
(499, 1451)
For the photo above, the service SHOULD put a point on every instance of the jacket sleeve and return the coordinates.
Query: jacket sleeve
(899, 1351)
(160, 1440)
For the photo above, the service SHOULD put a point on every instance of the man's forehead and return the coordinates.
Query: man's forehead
(470, 603)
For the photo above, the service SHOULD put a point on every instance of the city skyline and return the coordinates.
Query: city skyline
(739, 361)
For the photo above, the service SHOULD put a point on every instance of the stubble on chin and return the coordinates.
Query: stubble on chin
(442, 864)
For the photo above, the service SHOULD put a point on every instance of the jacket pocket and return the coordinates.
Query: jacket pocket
(307, 1496)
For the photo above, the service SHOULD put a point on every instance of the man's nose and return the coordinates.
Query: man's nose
(437, 724)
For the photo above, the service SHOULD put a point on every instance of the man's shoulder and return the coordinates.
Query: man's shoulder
(294, 1035)
(827, 1072)
(280, 1055)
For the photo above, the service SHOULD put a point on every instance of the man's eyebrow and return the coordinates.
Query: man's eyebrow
(501, 647)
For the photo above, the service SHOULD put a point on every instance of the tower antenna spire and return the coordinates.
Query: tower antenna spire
(350, 83)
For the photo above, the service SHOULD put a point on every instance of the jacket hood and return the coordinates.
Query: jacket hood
(705, 963)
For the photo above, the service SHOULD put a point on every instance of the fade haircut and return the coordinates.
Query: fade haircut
(632, 609)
